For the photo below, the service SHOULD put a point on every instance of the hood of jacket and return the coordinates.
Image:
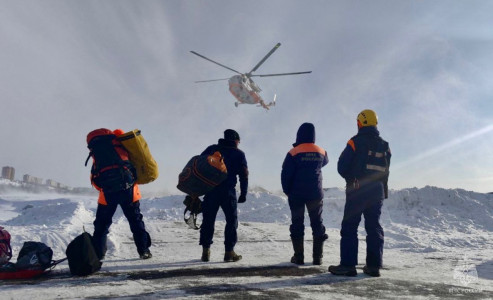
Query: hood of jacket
(305, 134)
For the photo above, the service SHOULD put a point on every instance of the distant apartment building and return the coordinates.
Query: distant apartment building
(8, 173)
(32, 179)
(52, 183)
(29, 181)
(57, 185)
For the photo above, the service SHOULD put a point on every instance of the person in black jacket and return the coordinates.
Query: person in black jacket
(364, 164)
(301, 179)
(224, 196)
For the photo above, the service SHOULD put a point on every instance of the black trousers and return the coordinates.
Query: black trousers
(212, 202)
(315, 209)
(360, 203)
(131, 210)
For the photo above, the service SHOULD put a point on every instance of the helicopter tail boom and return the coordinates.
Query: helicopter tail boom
(267, 106)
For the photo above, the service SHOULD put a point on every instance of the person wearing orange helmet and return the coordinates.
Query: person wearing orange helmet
(119, 189)
(364, 164)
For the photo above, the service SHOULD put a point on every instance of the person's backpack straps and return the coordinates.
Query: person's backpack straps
(88, 157)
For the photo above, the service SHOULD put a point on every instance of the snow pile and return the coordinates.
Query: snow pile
(424, 219)
(427, 232)
(433, 208)
(431, 219)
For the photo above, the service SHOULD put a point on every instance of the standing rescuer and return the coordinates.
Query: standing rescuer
(301, 179)
(114, 177)
(364, 164)
(224, 196)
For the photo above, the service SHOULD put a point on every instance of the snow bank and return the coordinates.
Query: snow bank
(421, 220)
(435, 208)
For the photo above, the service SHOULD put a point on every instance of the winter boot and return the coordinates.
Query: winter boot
(146, 254)
(298, 257)
(372, 271)
(343, 270)
(318, 249)
(231, 256)
(206, 254)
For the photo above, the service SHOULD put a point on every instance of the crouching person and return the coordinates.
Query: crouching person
(113, 176)
(301, 179)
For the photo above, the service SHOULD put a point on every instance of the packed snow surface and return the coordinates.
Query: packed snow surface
(438, 244)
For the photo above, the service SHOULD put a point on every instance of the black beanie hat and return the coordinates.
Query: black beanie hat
(231, 135)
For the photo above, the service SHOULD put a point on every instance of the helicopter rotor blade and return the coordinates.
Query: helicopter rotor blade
(282, 74)
(264, 59)
(211, 80)
(200, 55)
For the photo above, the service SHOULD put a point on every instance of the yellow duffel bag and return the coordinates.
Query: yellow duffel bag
(140, 156)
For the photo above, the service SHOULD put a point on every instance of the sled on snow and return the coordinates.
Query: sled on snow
(11, 271)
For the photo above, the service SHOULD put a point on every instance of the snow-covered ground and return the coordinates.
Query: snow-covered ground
(438, 244)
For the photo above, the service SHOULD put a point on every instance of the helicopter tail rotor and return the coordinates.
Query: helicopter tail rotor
(273, 103)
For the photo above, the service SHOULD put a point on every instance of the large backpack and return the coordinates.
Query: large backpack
(5, 249)
(111, 169)
(32, 261)
(81, 256)
(140, 156)
(201, 174)
(34, 255)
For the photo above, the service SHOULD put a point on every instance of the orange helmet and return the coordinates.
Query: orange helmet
(118, 132)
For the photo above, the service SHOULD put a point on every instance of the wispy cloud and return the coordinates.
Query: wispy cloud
(68, 67)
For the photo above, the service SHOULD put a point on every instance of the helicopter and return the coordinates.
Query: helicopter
(243, 88)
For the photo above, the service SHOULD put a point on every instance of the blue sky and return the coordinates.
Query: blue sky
(425, 67)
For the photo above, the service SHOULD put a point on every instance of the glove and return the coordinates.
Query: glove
(242, 199)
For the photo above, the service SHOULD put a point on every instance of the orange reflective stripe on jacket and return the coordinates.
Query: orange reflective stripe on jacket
(136, 197)
(307, 147)
(351, 143)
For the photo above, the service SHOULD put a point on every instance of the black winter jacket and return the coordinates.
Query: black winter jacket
(301, 175)
(235, 162)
